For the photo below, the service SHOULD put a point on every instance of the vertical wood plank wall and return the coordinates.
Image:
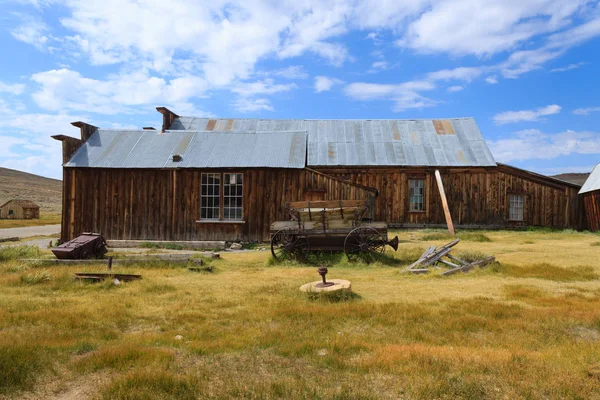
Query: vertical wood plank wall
(165, 204)
(592, 209)
(475, 197)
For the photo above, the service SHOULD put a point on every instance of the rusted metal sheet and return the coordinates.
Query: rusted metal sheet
(443, 127)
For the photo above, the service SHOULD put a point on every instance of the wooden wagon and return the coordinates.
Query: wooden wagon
(328, 226)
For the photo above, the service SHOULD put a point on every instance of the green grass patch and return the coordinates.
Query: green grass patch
(549, 272)
(20, 365)
(466, 236)
(15, 252)
(595, 244)
(152, 385)
(121, 358)
(470, 255)
(36, 277)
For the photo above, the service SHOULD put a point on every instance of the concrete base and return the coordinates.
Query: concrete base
(340, 285)
(187, 244)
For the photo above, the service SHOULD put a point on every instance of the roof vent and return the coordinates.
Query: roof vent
(149, 128)
(177, 158)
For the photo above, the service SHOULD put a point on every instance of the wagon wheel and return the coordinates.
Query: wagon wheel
(100, 249)
(84, 254)
(364, 241)
(286, 245)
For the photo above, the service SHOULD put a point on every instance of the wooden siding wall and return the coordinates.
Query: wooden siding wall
(592, 209)
(476, 197)
(165, 204)
(19, 211)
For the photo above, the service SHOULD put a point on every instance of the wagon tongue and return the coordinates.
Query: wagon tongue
(394, 243)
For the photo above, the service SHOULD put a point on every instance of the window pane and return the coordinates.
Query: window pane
(210, 196)
(232, 196)
(516, 208)
(416, 195)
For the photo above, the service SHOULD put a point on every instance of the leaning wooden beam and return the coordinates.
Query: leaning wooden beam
(468, 267)
(438, 178)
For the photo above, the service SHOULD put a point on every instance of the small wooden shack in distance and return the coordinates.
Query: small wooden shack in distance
(590, 192)
(19, 209)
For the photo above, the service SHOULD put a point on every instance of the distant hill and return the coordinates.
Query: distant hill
(577, 178)
(45, 192)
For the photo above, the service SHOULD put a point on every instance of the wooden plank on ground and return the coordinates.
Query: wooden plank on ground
(468, 267)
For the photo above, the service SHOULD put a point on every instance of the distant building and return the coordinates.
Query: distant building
(229, 179)
(590, 191)
(19, 209)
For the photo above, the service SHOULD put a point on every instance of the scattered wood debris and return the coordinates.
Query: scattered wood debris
(433, 256)
(99, 276)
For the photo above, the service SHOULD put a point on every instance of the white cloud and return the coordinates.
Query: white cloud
(453, 89)
(65, 89)
(509, 117)
(492, 26)
(249, 104)
(534, 144)
(404, 95)
(568, 67)
(586, 111)
(408, 94)
(324, 83)
(248, 101)
(28, 145)
(466, 74)
(291, 72)
(15, 88)
(492, 80)
(31, 31)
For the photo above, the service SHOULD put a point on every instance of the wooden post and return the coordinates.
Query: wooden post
(438, 178)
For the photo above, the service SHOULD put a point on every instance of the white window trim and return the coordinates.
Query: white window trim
(221, 220)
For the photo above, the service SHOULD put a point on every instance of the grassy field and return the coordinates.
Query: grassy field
(527, 327)
(45, 219)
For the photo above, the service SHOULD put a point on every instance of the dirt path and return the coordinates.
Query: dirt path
(29, 231)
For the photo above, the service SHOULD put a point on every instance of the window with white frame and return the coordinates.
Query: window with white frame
(416, 195)
(210, 198)
(221, 196)
(516, 207)
(232, 196)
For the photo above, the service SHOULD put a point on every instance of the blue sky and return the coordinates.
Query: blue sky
(527, 70)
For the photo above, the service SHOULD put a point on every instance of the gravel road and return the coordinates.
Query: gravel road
(30, 231)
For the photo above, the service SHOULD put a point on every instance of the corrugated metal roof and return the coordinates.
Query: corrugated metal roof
(592, 182)
(448, 142)
(151, 149)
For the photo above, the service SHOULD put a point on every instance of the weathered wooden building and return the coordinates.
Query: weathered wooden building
(228, 179)
(590, 192)
(19, 209)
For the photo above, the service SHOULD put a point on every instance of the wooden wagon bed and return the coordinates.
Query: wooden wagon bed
(336, 225)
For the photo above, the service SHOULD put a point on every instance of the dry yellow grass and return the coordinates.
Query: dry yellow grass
(528, 327)
(45, 219)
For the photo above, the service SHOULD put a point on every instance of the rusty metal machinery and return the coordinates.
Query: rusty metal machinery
(87, 245)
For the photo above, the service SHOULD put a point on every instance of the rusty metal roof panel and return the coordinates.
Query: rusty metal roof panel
(592, 183)
(198, 149)
(445, 142)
